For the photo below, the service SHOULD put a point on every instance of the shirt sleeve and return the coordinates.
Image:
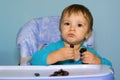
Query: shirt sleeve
(105, 61)
(40, 57)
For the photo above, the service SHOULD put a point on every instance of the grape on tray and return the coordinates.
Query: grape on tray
(60, 72)
(37, 74)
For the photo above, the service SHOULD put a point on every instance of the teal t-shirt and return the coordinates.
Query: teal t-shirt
(40, 57)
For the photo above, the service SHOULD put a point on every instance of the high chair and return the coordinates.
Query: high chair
(39, 32)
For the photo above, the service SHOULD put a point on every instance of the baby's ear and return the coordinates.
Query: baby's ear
(88, 34)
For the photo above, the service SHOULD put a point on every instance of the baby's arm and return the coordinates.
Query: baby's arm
(93, 57)
(52, 53)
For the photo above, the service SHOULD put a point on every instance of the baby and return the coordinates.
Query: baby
(75, 26)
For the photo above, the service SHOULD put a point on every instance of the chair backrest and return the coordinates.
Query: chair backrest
(37, 33)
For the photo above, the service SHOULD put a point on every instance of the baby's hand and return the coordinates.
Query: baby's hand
(60, 55)
(65, 54)
(90, 58)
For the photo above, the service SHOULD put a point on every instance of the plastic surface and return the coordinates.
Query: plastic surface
(76, 72)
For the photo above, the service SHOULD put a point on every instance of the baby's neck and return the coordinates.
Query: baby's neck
(76, 46)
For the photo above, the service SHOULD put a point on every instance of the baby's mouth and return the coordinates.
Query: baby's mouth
(71, 35)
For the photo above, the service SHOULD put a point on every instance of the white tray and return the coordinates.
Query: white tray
(87, 70)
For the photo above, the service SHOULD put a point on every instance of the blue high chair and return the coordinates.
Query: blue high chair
(37, 33)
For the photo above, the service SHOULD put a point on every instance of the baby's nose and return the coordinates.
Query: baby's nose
(72, 27)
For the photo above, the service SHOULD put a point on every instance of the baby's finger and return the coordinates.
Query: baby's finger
(85, 57)
(70, 56)
(85, 54)
(85, 61)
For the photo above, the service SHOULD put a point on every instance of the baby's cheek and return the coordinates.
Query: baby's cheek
(80, 38)
(64, 34)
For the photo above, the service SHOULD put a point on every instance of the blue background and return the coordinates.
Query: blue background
(15, 13)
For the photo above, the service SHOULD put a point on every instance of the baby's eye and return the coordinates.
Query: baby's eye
(79, 25)
(67, 23)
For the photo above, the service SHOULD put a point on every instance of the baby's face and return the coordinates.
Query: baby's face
(74, 28)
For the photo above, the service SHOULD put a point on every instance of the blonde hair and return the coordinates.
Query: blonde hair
(76, 9)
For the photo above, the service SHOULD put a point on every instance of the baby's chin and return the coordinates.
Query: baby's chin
(72, 42)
